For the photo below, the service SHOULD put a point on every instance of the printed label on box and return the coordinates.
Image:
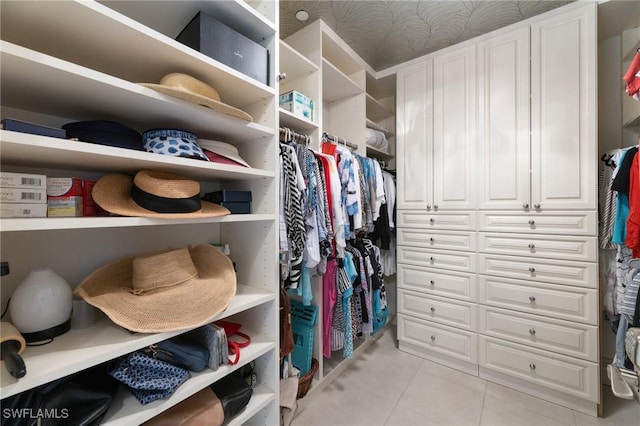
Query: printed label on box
(23, 195)
(64, 187)
(23, 180)
(8, 210)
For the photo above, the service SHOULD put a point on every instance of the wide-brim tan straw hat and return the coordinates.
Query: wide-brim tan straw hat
(153, 194)
(162, 291)
(192, 90)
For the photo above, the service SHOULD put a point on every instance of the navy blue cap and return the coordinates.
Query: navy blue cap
(105, 132)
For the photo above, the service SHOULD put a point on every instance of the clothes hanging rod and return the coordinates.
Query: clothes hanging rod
(293, 136)
(334, 139)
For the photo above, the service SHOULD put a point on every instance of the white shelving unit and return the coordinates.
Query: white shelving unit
(339, 89)
(82, 61)
(381, 114)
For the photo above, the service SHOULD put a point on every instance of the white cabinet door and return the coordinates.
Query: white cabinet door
(415, 136)
(503, 124)
(563, 110)
(454, 129)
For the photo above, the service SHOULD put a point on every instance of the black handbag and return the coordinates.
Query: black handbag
(81, 399)
(234, 393)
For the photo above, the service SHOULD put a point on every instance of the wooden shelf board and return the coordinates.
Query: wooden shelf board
(294, 122)
(376, 153)
(337, 85)
(80, 349)
(112, 43)
(375, 110)
(42, 151)
(373, 125)
(294, 64)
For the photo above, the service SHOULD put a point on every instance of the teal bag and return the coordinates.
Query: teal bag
(189, 356)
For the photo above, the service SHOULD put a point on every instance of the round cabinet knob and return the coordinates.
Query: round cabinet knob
(282, 76)
(432, 220)
(532, 332)
(532, 222)
(532, 246)
(536, 206)
(432, 282)
(532, 366)
(432, 259)
(532, 298)
(435, 207)
(428, 206)
(432, 240)
(525, 206)
(433, 337)
(433, 309)
(532, 270)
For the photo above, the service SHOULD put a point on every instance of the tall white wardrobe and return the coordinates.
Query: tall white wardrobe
(497, 232)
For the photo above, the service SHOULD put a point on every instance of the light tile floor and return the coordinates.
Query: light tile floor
(388, 387)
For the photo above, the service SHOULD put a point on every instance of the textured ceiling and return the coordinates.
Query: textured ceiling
(387, 33)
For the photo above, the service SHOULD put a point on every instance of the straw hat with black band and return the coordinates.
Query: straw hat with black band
(162, 291)
(153, 194)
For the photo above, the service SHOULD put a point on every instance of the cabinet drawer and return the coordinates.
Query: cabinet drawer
(443, 311)
(568, 338)
(449, 341)
(450, 221)
(569, 303)
(563, 223)
(425, 280)
(465, 241)
(554, 247)
(562, 373)
(581, 274)
(458, 261)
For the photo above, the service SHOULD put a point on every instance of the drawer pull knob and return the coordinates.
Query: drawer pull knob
(525, 206)
(433, 337)
(532, 298)
(282, 76)
(532, 222)
(435, 207)
(432, 220)
(536, 206)
(428, 206)
(532, 366)
(532, 246)
(432, 282)
(532, 332)
(432, 259)
(532, 270)
(433, 309)
(432, 240)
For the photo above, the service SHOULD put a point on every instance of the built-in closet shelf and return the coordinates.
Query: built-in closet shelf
(112, 43)
(376, 153)
(42, 151)
(375, 126)
(633, 122)
(236, 14)
(132, 413)
(293, 64)
(54, 223)
(336, 84)
(126, 410)
(64, 89)
(375, 110)
(80, 349)
(287, 119)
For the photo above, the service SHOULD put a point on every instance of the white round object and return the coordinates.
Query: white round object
(302, 15)
(43, 300)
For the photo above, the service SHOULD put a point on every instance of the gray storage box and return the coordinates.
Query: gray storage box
(222, 43)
